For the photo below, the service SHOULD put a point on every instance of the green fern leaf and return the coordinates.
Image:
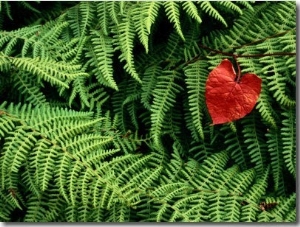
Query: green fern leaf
(125, 37)
(49, 70)
(195, 79)
(255, 140)
(29, 88)
(285, 207)
(191, 10)
(164, 98)
(216, 208)
(103, 50)
(275, 150)
(78, 87)
(249, 211)
(172, 11)
(232, 210)
(15, 152)
(149, 81)
(235, 147)
(80, 18)
(35, 211)
(140, 26)
(288, 135)
(103, 16)
(191, 46)
(6, 125)
(207, 171)
(208, 8)
(233, 6)
(7, 8)
(264, 106)
(151, 12)
(114, 11)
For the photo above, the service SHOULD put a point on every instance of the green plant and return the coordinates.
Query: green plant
(103, 115)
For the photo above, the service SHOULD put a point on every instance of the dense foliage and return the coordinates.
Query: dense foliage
(103, 115)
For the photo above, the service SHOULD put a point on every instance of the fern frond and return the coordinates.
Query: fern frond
(30, 7)
(29, 88)
(35, 211)
(114, 11)
(196, 74)
(149, 81)
(234, 6)
(7, 9)
(78, 87)
(49, 35)
(172, 171)
(211, 166)
(49, 70)
(264, 106)
(284, 207)
(239, 184)
(82, 150)
(166, 194)
(173, 48)
(133, 95)
(201, 150)
(246, 4)
(232, 210)
(144, 16)
(125, 37)
(174, 129)
(8, 40)
(191, 10)
(249, 211)
(277, 68)
(6, 207)
(238, 35)
(119, 213)
(235, 147)
(194, 212)
(102, 52)
(97, 96)
(256, 145)
(103, 17)
(30, 182)
(164, 98)
(189, 123)
(288, 135)
(211, 11)
(216, 208)
(209, 169)
(6, 125)
(275, 149)
(287, 209)
(191, 48)
(172, 11)
(80, 18)
(150, 10)
(15, 150)
(72, 50)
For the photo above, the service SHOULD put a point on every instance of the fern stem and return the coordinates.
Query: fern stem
(261, 40)
(247, 55)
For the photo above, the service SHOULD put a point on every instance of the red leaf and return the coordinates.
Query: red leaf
(228, 100)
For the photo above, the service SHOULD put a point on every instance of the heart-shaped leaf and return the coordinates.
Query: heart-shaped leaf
(227, 99)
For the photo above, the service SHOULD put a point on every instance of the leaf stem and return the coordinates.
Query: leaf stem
(269, 37)
(239, 69)
(217, 51)
(249, 55)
